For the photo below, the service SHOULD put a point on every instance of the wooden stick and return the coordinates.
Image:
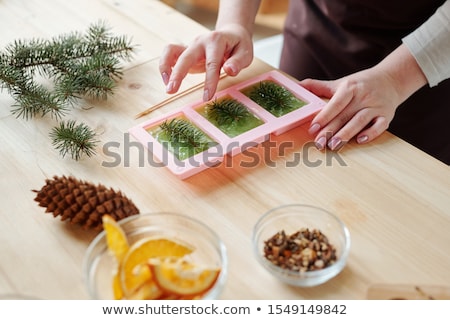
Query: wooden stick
(174, 97)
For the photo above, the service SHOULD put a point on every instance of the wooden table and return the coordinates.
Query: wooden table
(394, 198)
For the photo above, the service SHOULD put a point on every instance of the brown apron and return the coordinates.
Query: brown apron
(329, 39)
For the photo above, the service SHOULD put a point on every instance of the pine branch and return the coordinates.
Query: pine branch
(185, 133)
(94, 77)
(74, 46)
(36, 100)
(31, 98)
(74, 139)
(77, 65)
(227, 111)
(274, 98)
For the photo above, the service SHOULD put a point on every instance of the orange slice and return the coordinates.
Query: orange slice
(116, 239)
(183, 278)
(147, 291)
(134, 271)
(117, 287)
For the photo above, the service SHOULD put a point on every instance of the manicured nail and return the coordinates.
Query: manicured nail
(231, 67)
(165, 77)
(170, 86)
(314, 128)
(206, 95)
(362, 139)
(320, 143)
(335, 143)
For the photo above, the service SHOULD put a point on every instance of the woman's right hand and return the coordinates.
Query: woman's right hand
(229, 48)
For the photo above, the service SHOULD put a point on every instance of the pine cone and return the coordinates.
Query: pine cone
(83, 203)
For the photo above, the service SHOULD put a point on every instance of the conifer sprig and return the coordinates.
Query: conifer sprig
(227, 111)
(74, 139)
(79, 65)
(73, 66)
(185, 133)
(274, 98)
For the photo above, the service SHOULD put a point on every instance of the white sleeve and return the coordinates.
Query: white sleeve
(430, 45)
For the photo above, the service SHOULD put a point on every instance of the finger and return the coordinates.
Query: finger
(379, 125)
(363, 126)
(240, 58)
(215, 52)
(339, 101)
(320, 88)
(187, 60)
(350, 128)
(328, 134)
(348, 115)
(168, 59)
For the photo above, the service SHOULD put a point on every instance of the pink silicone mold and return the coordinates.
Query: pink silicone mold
(225, 145)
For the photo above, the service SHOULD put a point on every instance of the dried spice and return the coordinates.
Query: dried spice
(304, 250)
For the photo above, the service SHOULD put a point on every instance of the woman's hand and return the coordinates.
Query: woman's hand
(230, 48)
(360, 105)
(363, 104)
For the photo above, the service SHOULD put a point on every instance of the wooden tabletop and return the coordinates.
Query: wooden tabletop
(394, 198)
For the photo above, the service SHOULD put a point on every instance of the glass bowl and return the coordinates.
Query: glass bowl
(99, 265)
(291, 219)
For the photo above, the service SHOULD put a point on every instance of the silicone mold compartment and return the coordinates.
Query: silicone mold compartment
(226, 145)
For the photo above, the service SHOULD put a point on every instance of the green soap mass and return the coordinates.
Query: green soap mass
(230, 116)
(274, 98)
(182, 138)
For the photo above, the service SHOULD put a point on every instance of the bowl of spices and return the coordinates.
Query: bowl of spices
(301, 245)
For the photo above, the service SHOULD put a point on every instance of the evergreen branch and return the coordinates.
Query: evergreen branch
(93, 85)
(31, 99)
(274, 98)
(36, 53)
(98, 32)
(36, 100)
(11, 77)
(227, 111)
(74, 139)
(93, 78)
(185, 133)
(78, 65)
(118, 46)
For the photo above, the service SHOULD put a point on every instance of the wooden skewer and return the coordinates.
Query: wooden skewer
(174, 97)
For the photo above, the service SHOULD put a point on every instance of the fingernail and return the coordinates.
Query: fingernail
(335, 143)
(362, 139)
(165, 77)
(320, 143)
(314, 128)
(170, 86)
(231, 67)
(206, 95)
